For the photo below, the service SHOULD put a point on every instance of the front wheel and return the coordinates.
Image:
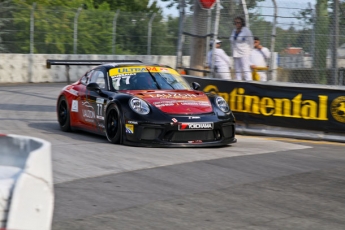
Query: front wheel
(113, 129)
(63, 114)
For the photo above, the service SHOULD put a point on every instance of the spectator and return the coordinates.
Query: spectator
(259, 59)
(242, 43)
(221, 61)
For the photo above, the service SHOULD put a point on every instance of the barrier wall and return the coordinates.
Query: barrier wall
(264, 105)
(23, 68)
(26, 184)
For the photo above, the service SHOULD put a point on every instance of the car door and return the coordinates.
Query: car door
(98, 101)
(86, 113)
(76, 106)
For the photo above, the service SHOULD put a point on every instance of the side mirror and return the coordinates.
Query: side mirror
(195, 85)
(94, 87)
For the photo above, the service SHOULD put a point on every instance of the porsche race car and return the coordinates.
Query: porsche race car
(140, 104)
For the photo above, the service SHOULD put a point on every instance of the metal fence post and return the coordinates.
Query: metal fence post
(75, 32)
(335, 42)
(32, 34)
(245, 10)
(180, 35)
(273, 39)
(149, 34)
(114, 30)
(215, 36)
(208, 32)
(32, 28)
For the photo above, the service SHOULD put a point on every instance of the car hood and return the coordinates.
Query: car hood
(177, 102)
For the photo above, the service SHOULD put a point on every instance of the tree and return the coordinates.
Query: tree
(322, 26)
(54, 26)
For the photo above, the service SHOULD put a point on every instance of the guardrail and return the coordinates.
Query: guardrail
(26, 184)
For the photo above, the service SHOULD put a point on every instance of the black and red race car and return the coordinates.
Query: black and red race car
(140, 104)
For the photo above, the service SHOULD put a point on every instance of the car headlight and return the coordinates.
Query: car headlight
(222, 104)
(139, 106)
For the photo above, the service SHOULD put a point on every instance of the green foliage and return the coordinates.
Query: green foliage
(54, 22)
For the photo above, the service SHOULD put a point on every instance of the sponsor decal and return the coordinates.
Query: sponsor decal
(190, 117)
(297, 107)
(164, 69)
(125, 75)
(129, 128)
(132, 122)
(74, 106)
(163, 103)
(86, 104)
(70, 90)
(100, 118)
(195, 141)
(195, 126)
(172, 95)
(174, 120)
(100, 100)
(73, 92)
(338, 109)
(88, 114)
(89, 120)
(140, 69)
(183, 102)
(196, 103)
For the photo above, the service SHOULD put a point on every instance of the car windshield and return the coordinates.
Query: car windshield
(147, 78)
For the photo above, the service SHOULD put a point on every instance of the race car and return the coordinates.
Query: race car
(142, 104)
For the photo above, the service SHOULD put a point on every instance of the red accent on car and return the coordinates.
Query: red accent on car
(176, 101)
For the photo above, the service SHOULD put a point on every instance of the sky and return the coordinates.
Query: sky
(286, 8)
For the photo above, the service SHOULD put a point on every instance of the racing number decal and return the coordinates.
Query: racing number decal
(99, 109)
(99, 112)
(118, 79)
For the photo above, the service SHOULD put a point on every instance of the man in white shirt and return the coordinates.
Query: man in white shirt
(259, 59)
(241, 40)
(221, 61)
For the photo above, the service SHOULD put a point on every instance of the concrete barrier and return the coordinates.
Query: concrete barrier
(24, 68)
(26, 184)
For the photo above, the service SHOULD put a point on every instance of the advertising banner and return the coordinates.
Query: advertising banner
(300, 107)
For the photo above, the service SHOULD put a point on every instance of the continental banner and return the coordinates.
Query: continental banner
(300, 107)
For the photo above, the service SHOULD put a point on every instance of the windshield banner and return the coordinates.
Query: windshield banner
(140, 69)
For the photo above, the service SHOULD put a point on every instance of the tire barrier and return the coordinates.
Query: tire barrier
(26, 183)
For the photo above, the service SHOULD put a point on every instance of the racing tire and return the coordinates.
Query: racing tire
(63, 115)
(113, 125)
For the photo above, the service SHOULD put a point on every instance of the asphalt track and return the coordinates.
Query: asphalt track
(257, 183)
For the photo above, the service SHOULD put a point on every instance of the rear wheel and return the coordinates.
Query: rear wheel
(113, 129)
(63, 115)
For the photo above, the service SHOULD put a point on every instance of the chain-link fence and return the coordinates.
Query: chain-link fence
(309, 40)
(60, 30)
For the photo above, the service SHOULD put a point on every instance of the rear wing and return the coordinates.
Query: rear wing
(51, 62)
(68, 63)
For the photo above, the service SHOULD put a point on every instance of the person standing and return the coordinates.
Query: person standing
(221, 61)
(242, 43)
(259, 59)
